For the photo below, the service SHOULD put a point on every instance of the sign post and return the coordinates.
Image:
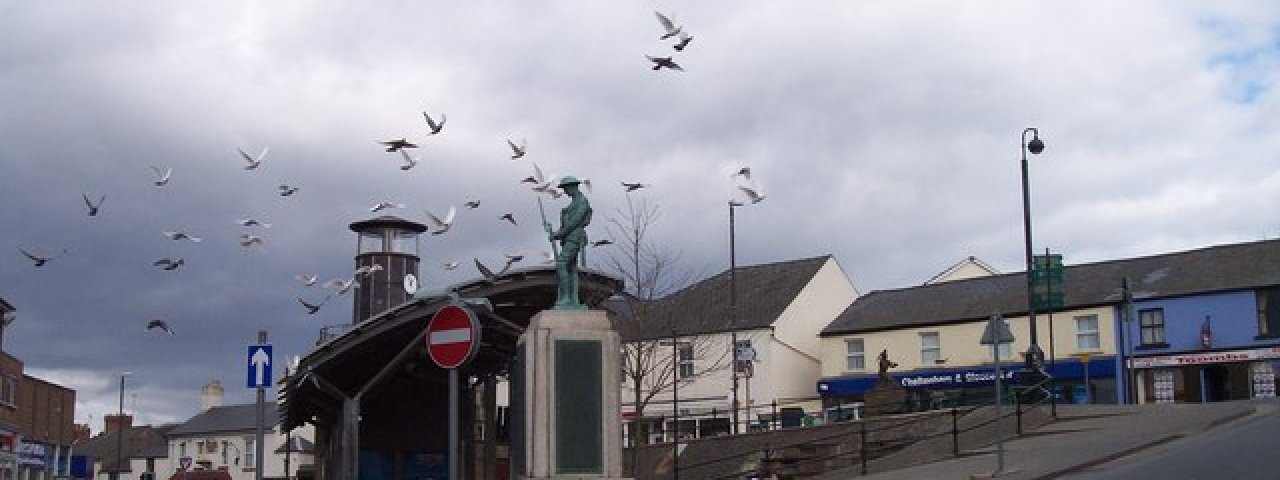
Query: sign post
(259, 377)
(453, 337)
(997, 332)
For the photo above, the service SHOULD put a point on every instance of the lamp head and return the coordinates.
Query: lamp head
(1035, 146)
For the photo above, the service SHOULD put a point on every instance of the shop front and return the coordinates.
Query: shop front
(34, 459)
(1207, 377)
(8, 454)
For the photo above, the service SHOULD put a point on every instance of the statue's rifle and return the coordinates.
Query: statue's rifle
(555, 253)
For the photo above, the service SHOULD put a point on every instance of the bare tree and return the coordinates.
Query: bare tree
(648, 330)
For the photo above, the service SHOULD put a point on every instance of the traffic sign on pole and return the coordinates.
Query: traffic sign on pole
(259, 366)
(453, 336)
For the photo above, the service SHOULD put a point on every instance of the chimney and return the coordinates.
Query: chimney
(113, 421)
(211, 395)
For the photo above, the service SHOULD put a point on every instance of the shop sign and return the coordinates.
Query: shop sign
(1201, 358)
(31, 454)
(958, 379)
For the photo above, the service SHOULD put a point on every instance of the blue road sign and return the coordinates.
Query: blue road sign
(259, 366)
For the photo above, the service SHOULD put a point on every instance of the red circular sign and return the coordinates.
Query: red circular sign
(453, 336)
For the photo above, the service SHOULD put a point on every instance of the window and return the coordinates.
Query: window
(10, 387)
(1151, 321)
(930, 349)
(744, 355)
(686, 360)
(855, 355)
(249, 451)
(1087, 333)
(182, 449)
(1269, 311)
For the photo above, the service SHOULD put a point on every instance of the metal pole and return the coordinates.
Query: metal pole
(1053, 372)
(120, 431)
(259, 450)
(1130, 389)
(733, 315)
(995, 353)
(675, 405)
(453, 424)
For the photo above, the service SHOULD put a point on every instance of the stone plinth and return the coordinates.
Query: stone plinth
(566, 374)
(885, 397)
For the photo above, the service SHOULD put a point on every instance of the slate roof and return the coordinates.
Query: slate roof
(764, 291)
(1205, 270)
(139, 442)
(228, 418)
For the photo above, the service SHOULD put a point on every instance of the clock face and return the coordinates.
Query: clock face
(410, 284)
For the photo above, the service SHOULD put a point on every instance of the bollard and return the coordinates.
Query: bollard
(862, 447)
(955, 432)
(1017, 410)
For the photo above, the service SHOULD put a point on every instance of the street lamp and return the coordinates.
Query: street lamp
(1034, 356)
(120, 429)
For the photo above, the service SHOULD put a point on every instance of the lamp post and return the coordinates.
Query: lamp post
(733, 314)
(1034, 356)
(120, 429)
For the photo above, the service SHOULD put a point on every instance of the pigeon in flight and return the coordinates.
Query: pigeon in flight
(161, 324)
(751, 193)
(510, 217)
(385, 205)
(409, 162)
(444, 225)
(286, 190)
(450, 265)
(744, 172)
(162, 178)
(472, 204)
(518, 151)
(367, 270)
(169, 264)
(312, 308)
(660, 63)
(631, 187)
(181, 236)
(684, 42)
(39, 260)
(398, 144)
(307, 280)
(252, 162)
(669, 29)
(485, 272)
(249, 222)
(431, 124)
(247, 240)
(93, 209)
(602, 242)
(511, 260)
(340, 286)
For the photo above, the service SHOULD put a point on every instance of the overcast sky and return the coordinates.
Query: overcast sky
(885, 133)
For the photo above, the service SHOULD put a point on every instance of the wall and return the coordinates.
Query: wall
(46, 411)
(273, 463)
(10, 367)
(1233, 319)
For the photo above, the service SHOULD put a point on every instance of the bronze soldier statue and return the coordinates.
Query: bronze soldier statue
(572, 235)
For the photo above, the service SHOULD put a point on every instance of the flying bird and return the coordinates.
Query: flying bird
(472, 204)
(162, 177)
(631, 187)
(385, 205)
(485, 272)
(669, 29)
(340, 286)
(161, 324)
(511, 259)
(450, 265)
(181, 236)
(543, 183)
(37, 259)
(312, 308)
(444, 225)
(601, 242)
(252, 163)
(409, 162)
(744, 172)
(684, 42)
(398, 144)
(518, 151)
(93, 209)
(249, 222)
(510, 217)
(752, 193)
(432, 125)
(169, 264)
(660, 63)
(367, 270)
(247, 240)
(286, 190)
(307, 280)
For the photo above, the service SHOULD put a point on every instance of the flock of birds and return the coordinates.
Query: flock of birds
(439, 224)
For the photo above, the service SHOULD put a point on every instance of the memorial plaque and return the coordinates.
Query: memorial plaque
(579, 445)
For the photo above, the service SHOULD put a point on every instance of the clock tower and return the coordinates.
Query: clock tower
(392, 243)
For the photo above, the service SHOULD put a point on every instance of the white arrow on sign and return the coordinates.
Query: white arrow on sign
(260, 361)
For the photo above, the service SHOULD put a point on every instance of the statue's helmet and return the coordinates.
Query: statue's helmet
(568, 180)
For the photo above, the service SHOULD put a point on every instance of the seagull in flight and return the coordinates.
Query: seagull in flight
(432, 125)
(286, 190)
(312, 308)
(450, 265)
(631, 187)
(39, 260)
(93, 209)
(602, 242)
(518, 151)
(307, 280)
(398, 144)
(385, 205)
(472, 204)
(409, 162)
(181, 236)
(684, 42)
(252, 162)
(249, 222)
(169, 264)
(660, 63)
(162, 177)
(669, 29)
(510, 217)
(444, 225)
(340, 286)
(247, 240)
(161, 324)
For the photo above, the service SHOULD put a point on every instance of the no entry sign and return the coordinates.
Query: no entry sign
(453, 336)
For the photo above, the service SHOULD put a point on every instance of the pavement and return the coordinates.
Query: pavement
(1082, 436)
